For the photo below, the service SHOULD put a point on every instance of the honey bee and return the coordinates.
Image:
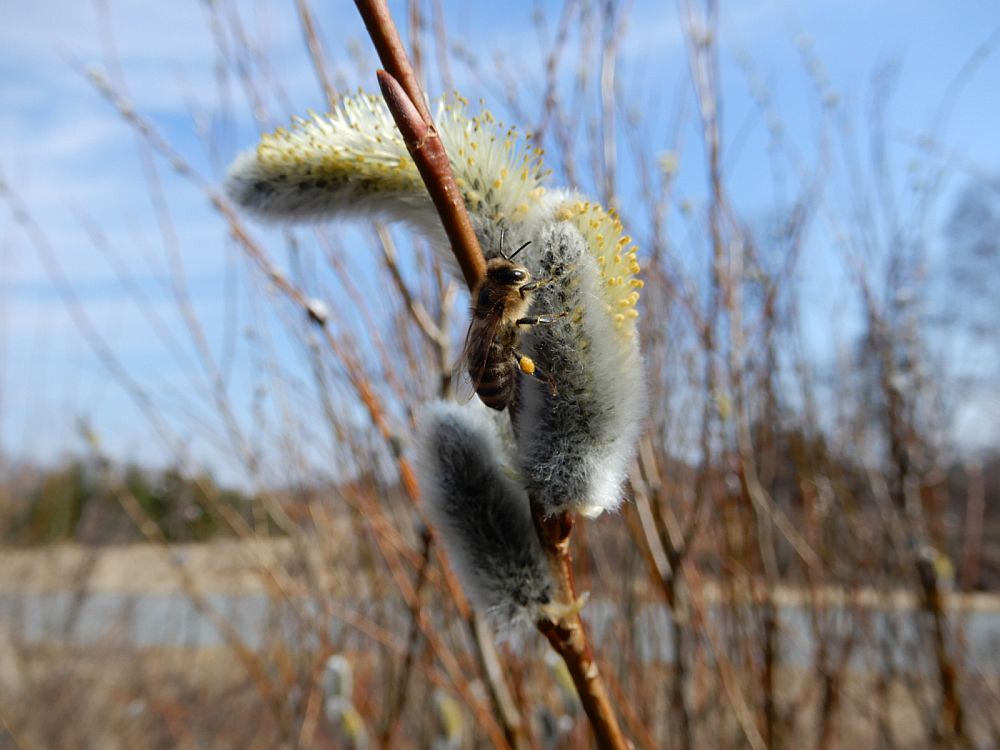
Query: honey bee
(500, 305)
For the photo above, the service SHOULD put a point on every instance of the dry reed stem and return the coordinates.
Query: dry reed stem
(398, 701)
(316, 51)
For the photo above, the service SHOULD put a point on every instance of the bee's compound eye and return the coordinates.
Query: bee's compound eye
(508, 275)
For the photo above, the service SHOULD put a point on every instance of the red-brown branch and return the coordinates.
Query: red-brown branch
(569, 638)
(392, 53)
(432, 162)
(406, 103)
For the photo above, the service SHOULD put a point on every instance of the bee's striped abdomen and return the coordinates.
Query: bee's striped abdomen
(498, 384)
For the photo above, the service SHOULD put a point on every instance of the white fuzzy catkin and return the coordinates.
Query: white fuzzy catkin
(481, 514)
(573, 448)
(353, 162)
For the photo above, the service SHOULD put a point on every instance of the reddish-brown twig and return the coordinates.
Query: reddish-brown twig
(428, 153)
(567, 635)
(405, 101)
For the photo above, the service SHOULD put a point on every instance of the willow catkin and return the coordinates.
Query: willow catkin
(578, 420)
(481, 514)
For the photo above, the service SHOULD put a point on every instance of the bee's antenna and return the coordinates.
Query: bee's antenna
(519, 250)
(502, 231)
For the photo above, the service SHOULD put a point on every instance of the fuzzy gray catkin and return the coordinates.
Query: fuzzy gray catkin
(481, 514)
(573, 447)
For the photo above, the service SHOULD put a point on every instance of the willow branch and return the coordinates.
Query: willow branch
(406, 103)
(432, 162)
(392, 53)
(567, 636)
(402, 93)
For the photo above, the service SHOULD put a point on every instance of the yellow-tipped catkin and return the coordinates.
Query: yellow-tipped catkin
(616, 259)
(353, 160)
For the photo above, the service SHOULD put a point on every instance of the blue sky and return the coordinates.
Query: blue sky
(71, 159)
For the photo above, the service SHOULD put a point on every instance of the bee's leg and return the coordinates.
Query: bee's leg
(524, 363)
(527, 365)
(539, 283)
(533, 320)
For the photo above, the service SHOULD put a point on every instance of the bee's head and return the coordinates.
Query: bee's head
(505, 271)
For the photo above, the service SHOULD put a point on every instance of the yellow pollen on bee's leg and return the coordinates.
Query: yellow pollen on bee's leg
(527, 364)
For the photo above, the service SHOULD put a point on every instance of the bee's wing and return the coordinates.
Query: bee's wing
(465, 389)
(471, 366)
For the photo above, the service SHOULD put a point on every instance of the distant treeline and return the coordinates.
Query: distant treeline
(93, 503)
